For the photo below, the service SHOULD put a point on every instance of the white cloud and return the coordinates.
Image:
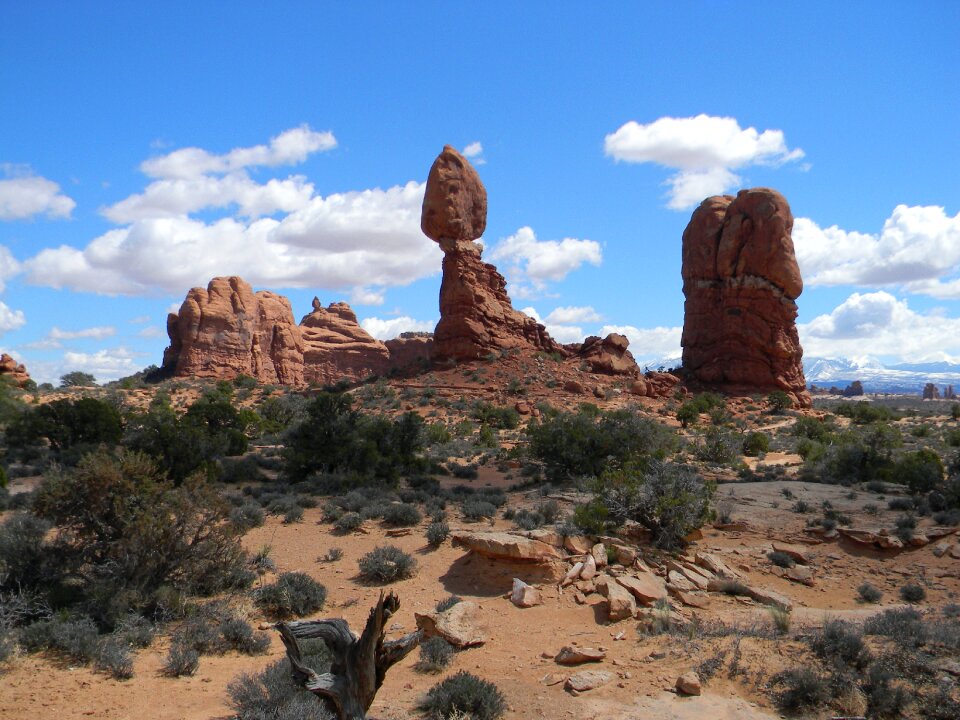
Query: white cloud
(8, 266)
(104, 365)
(152, 331)
(572, 314)
(368, 238)
(11, 319)
(474, 151)
(704, 150)
(651, 343)
(23, 195)
(917, 248)
(56, 336)
(288, 148)
(386, 329)
(878, 323)
(538, 261)
(139, 320)
(367, 296)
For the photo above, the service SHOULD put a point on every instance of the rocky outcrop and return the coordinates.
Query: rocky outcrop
(608, 356)
(336, 348)
(227, 330)
(741, 281)
(505, 546)
(12, 371)
(410, 352)
(476, 316)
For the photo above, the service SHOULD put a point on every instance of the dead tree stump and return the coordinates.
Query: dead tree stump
(359, 664)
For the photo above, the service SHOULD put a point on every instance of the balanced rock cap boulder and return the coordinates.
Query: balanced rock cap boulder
(454, 202)
(741, 281)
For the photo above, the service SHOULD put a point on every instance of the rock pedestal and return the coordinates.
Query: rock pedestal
(741, 281)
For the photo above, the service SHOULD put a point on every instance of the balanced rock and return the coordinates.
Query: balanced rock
(336, 348)
(476, 316)
(741, 281)
(13, 371)
(227, 330)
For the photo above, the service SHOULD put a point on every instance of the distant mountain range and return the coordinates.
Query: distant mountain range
(907, 378)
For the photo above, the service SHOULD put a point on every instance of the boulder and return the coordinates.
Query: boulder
(505, 546)
(589, 568)
(647, 588)
(13, 371)
(572, 574)
(689, 684)
(588, 680)
(796, 552)
(525, 596)
(457, 625)
(476, 316)
(765, 596)
(578, 544)
(620, 603)
(599, 553)
(741, 281)
(608, 356)
(571, 655)
(714, 564)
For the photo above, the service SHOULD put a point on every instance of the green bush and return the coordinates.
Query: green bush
(76, 639)
(114, 657)
(435, 654)
(401, 515)
(756, 443)
(465, 694)
(348, 522)
(781, 559)
(181, 660)
(247, 516)
(718, 446)
(437, 533)
(869, 593)
(474, 508)
(913, 593)
(294, 594)
(921, 471)
(386, 565)
(841, 642)
(669, 500)
(801, 690)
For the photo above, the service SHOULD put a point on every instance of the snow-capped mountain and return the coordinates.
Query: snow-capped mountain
(876, 377)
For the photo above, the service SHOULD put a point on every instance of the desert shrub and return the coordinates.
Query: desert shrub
(732, 587)
(293, 514)
(862, 413)
(476, 509)
(447, 603)
(272, 693)
(293, 594)
(779, 401)
(181, 660)
(437, 533)
(900, 503)
(463, 472)
(780, 618)
(244, 470)
(464, 693)
(247, 516)
(902, 625)
(7, 646)
(801, 506)
(572, 445)
(76, 639)
(841, 642)
(524, 519)
(883, 699)
(756, 443)
(348, 522)
(781, 559)
(913, 593)
(813, 429)
(386, 565)
(718, 446)
(801, 690)
(921, 471)
(136, 631)
(333, 554)
(66, 424)
(670, 500)
(124, 531)
(435, 654)
(336, 438)
(401, 515)
(239, 635)
(869, 593)
(505, 418)
(24, 558)
(114, 657)
(940, 705)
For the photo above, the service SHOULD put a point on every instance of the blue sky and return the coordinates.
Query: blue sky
(145, 148)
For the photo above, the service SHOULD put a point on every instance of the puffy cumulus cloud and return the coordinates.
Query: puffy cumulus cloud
(474, 151)
(152, 331)
(880, 324)
(657, 343)
(56, 337)
(182, 196)
(572, 314)
(24, 195)
(367, 296)
(105, 365)
(10, 319)
(389, 328)
(8, 266)
(918, 249)
(368, 238)
(562, 332)
(535, 262)
(288, 148)
(704, 150)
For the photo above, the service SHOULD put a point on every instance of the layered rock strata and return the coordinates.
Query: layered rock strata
(741, 281)
(336, 348)
(476, 316)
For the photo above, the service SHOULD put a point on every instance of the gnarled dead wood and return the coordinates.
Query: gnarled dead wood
(359, 664)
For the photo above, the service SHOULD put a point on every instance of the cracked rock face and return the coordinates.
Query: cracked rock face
(741, 281)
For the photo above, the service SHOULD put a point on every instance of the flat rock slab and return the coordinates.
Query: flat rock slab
(588, 680)
(569, 655)
(796, 552)
(647, 588)
(506, 546)
(457, 625)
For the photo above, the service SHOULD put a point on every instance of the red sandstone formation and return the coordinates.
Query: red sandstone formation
(336, 348)
(411, 351)
(741, 281)
(476, 316)
(228, 330)
(608, 356)
(13, 371)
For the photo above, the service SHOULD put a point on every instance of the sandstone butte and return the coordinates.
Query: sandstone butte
(228, 330)
(13, 371)
(741, 281)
